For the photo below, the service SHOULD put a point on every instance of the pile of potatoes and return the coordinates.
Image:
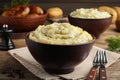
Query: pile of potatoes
(23, 10)
(115, 12)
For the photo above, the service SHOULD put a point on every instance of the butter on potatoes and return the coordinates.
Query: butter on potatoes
(60, 33)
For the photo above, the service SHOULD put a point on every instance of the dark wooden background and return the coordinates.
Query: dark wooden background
(69, 5)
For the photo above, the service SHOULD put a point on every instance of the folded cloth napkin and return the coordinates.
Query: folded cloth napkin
(25, 58)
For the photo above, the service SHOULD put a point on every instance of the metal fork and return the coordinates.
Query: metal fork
(94, 70)
(103, 62)
(99, 63)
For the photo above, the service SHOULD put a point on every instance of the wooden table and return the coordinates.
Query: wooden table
(113, 71)
(10, 68)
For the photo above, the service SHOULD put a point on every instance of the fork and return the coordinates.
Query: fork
(103, 62)
(94, 70)
(99, 63)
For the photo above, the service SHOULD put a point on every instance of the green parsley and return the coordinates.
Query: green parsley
(114, 43)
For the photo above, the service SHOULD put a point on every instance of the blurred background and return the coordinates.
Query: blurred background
(69, 5)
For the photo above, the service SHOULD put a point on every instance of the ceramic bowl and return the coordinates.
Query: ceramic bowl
(93, 26)
(59, 59)
(23, 24)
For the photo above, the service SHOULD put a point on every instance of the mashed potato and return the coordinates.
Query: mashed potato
(60, 33)
(90, 13)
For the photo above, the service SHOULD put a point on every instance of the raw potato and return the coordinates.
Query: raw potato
(118, 12)
(23, 11)
(36, 10)
(109, 10)
(118, 18)
(18, 11)
(55, 12)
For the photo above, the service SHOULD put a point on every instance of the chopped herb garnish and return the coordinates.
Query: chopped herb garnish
(114, 43)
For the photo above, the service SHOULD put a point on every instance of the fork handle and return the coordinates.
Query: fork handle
(102, 74)
(92, 74)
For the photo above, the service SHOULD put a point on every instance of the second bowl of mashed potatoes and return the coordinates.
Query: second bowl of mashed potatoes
(91, 20)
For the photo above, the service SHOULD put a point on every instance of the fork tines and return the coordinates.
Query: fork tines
(102, 58)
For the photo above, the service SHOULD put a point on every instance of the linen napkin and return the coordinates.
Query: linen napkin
(25, 58)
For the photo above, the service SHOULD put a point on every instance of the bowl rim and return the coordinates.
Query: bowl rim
(89, 42)
(89, 18)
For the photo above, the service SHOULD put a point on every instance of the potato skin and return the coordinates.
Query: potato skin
(111, 11)
(55, 12)
(23, 10)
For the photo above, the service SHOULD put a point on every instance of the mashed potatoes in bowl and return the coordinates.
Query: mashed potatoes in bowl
(91, 20)
(59, 47)
(60, 33)
(89, 13)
